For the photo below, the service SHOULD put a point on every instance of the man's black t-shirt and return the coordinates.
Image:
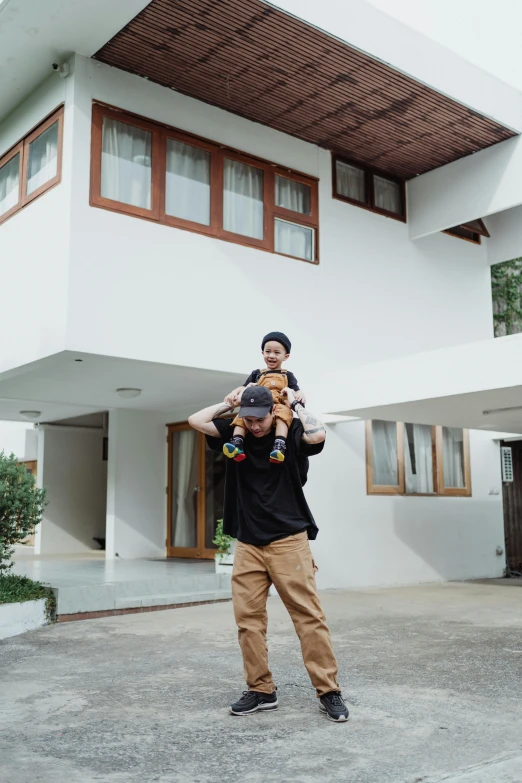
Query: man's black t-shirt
(263, 501)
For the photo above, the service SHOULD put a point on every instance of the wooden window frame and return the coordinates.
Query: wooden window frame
(384, 489)
(444, 491)
(22, 148)
(97, 199)
(439, 488)
(17, 150)
(57, 117)
(218, 153)
(476, 233)
(369, 204)
(201, 552)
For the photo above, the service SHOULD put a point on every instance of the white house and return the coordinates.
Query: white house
(179, 178)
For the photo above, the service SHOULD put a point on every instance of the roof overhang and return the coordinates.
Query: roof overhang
(72, 383)
(478, 386)
(260, 62)
(344, 76)
(34, 34)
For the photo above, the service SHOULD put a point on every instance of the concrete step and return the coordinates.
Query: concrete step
(127, 594)
(132, 602)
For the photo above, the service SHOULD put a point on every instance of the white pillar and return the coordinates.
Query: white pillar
(71, 467)
(136, 497)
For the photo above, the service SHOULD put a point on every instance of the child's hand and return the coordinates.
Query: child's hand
(233, 398)
(289, 396)
(300, 397)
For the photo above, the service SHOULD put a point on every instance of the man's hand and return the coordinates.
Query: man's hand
(203, 420)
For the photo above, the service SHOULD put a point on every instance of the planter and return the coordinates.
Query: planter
(224, 563)
(21, 617)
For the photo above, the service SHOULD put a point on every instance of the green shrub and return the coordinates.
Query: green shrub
(16, 589)
(506, 284)
(221, 540)
(21, 507)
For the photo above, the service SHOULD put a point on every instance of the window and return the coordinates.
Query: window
(417, 459)
(188, 182)
(368, 189)
(472, 231)
(32, 166)
(145, 169)
(126, 164)
(10, 181)
(243, 199)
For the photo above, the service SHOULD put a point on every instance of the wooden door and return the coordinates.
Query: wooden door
(195, 490)
(512, 495)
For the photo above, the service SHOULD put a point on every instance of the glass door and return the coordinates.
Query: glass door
(196, 481)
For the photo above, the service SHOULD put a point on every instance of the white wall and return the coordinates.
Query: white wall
(136, 497)
(383, 540)
(19, 439)
(505, 242)
(34, 245)
(163, 291)
(473, 187)
(72, 468)
(485, 35)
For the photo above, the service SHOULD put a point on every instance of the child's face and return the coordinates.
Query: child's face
(274, 355)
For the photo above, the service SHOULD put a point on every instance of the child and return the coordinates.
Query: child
(275, 350)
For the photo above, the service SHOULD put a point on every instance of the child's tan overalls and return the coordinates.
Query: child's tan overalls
(276, 382)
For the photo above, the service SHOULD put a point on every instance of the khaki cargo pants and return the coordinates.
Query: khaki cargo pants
(288, 564)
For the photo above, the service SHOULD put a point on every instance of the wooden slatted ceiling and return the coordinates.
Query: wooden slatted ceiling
(259, 63)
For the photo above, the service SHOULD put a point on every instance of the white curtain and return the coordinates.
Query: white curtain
(419, 471)
(294, 240)
(387, 194)
(126, 163)
(453, 457)
(350, 181)
(243, 199)
(293, 195)
(384, 449)
(188, 182)
(43, 159)
(9, 184)
(184, 466)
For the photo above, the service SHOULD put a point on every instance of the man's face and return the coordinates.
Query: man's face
(259, 427)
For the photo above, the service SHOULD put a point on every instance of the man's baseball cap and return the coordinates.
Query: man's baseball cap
(256, 401)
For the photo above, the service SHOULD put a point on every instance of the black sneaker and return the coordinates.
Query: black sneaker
(252, 701)
(333, 705)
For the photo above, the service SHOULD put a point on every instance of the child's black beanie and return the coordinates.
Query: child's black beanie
(279, 337)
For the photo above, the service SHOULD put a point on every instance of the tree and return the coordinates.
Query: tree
(506, 284)
(21, 507)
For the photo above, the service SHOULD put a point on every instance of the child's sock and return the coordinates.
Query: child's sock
(234, 449)
(277, 454)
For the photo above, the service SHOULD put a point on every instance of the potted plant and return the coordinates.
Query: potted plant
(224, 558)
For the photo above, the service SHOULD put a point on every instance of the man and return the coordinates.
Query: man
(266, 510)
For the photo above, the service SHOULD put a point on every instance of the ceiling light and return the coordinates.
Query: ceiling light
(502, 410)
(31, 414)
(129, 394)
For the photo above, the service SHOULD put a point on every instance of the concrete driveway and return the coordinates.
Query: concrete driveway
(432, 675)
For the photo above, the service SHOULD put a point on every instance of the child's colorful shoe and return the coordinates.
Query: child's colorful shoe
(234, 449)
(277, 455)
